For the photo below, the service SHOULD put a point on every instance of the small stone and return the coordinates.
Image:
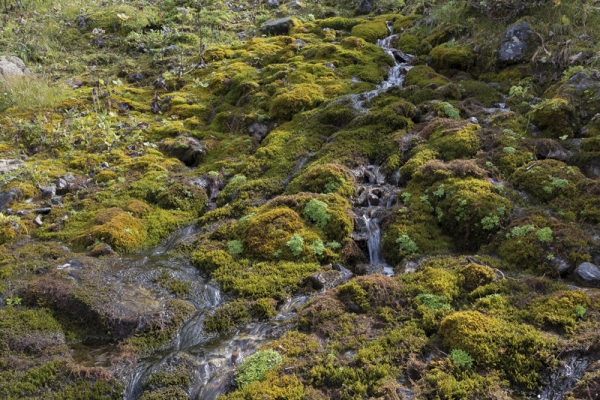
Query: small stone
(38, 220)
(81, 22)
(48, 191)
(104, 165)
(273, 3)
(135, 77)
(43, 210)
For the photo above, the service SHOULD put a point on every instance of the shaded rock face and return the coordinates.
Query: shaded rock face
(588, 274)
(188, 150)
(13, 67)
(273, 3)
(259, 130)
(516, 44)
(279, 26)
(6, 198)
(364, 7)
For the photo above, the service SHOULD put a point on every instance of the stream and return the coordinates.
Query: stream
(211, 359)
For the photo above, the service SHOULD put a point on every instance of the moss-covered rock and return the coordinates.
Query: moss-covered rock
(422, 75)
(371, 30)
(452, 56)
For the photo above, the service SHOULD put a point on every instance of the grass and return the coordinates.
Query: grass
(29, 93)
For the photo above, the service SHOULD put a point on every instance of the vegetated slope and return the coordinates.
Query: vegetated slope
(139, 119)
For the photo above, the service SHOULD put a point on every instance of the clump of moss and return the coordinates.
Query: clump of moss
(477, 275)
(556, 117)
(562, 310)
(301, 97)
(339, 23)
(548, 179)
(455, 142)
(371, 30)
(518, 351)
(119, 229)
(480, 91)
(452, 56)
(227, 317)
(422, 75)
(326, 178)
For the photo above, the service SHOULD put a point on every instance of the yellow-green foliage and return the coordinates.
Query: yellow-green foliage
(466, 385)
(418, 157)
(227, 317)
(476, 275)
(301, 97)
(371, 30)
(327, 178)
(8, 230)
(272, 386)
(452, 56)
(119, 229)
(269, 232)
(408, 43)
(422, 75)
(439, 276)
(517, 351)
(29, 93)
(558, 310)
(547, 180)
(455, 142)
(339, 23)
(556, 117)
(122, 19)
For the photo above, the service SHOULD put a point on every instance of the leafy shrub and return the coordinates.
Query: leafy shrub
(254, 367)
(406, 244)
(544, 235)
(316, 211)
(235, 247)
(461, 358)
(296, 243)
(317, 247)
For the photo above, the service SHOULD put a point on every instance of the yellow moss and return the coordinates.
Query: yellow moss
(371, 30)
(422, 75)
(300, 98)
(447, 56)
(119, 229)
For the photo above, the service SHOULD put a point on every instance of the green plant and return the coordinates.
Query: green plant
(580, 311)
(519, 231)
(13, 301)
(406, 244)
(316, 211)
(317, 247)
(461, 358)
(296, 243)
(235, 247)
(333, 245)
(432, 301)
(253, 368)
(544, 235)
(450, 111)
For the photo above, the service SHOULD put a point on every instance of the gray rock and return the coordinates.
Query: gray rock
(331, 13)
(279, 26)
(560, 265)
(43, 210)
(587, 274)
(405, 394)
(294, 4)
(187, 149)
(6, 199)
(365, 7)
(13, 67)
(346, 273)
(325, 280)
(298, 43)
(273, 3)
(135, 77)
(8, 165)
(515, 44)
(259, 130)
(48, 191)
(38, 220)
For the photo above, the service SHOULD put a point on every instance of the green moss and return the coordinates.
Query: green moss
(422, 75)
(408, 43)
(273, 386)
(452, 56)
(300, 98)
(184, 197)
(476, 275)
(339, 23)
(371, 30)
(419, 157)
(518, 351)
(326, 178)
(480, 91)
(227, 317)
(556, 117)
(559, 310)
(119, 229)
(452, 143)
(547, 180)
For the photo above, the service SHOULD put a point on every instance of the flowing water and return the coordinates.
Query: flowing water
(211, 359)
(395, 75)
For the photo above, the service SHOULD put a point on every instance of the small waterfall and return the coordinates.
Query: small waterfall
(395, 75)
(374, 198)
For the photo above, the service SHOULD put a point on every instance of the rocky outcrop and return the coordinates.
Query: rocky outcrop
(588, 274)
(13, 67)
(517, 44)
(279, 26)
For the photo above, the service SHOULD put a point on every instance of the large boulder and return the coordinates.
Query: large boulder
(588, 274)
(187, 149)
(13, 67)
(517, 44)
(279, 26)
(364, 7)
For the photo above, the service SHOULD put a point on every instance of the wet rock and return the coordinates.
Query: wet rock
(13, 67)
(101, 250)
(279, 26)
(294, 4)
(560, 265)
(211, 184)
(516, 44)
(6, 199)
(188, 150)
(588, 274)
(259, 130)
(407, 266)
(48, 191)
(8, 165)
(135, 77)
(325, 280)
(364, 7)
(346, 273)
